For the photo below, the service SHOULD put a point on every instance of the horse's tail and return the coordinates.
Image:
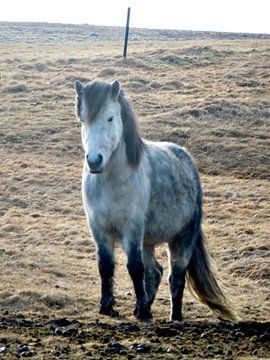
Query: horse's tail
(201, 278)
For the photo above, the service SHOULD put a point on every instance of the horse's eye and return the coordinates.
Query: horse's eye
(110, 119)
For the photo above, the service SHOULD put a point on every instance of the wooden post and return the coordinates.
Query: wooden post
(126, 35)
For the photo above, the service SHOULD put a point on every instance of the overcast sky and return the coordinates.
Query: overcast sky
(216, 15)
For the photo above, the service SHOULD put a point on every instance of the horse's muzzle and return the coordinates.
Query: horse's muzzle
(95, 164)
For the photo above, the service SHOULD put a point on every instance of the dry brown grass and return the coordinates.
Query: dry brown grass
(210, 96)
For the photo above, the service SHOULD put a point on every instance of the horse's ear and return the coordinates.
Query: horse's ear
(116, 89)
(79, 90)
(78, 87)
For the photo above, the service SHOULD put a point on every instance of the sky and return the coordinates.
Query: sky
(214, 15)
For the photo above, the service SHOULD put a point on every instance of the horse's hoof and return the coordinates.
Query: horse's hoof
(146, 320)
(143, 315)
(114, 314)
(176, 317)
(109, 311)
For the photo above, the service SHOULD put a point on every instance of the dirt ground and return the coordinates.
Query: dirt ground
(210, 95)
(63, 338)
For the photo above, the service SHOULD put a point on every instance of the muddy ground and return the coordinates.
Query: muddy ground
(64, 338)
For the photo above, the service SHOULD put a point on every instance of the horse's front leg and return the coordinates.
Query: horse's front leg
(133, 244)
(106, 265)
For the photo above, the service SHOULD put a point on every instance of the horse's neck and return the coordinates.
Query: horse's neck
(118, 168)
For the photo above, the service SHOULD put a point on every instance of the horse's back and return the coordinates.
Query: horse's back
(174, 187)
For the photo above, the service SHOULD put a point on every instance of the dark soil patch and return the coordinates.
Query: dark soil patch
(71, 339)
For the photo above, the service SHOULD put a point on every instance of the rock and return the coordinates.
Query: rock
(129, 327)
(238, 335)
(122, 352)
(65, 350)
(28, 353)
(20, 316)
(3, 350)
(72, 332)
(22, 348)
(184, 351)
(165, 331)
(56, 353)
(229, 352)
(26, 323)
(58, 332)
(107, 339)
(88, 353)
(265, 337)
(219, 352)
(116, 347)
(141, 348)
(24, 351)
(59, 322)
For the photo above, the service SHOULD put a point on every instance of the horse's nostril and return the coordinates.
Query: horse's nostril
(100, 157)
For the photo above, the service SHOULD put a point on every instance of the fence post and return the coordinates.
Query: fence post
(126, 35)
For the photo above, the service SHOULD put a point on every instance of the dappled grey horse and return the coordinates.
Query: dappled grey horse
(141, 194)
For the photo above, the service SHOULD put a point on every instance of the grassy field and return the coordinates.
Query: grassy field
(211, 96)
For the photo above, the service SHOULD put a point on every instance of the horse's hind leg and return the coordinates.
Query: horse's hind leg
(180, 254)
(153, 273)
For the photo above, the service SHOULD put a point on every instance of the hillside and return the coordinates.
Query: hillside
(17, 32)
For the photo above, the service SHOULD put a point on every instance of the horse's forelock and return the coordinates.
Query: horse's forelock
(95, 95)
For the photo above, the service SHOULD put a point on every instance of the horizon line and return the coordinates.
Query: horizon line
(132, 27)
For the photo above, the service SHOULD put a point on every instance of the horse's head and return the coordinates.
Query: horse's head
(99, 111)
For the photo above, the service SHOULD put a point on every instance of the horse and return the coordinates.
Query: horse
(142, 193)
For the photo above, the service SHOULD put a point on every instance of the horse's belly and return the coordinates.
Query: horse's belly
(163, 224)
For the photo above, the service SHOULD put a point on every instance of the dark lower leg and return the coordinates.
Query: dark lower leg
(153, 272)
(136, 271)
(106, 270)
(153, 275)
(177, 285)
(180, 254)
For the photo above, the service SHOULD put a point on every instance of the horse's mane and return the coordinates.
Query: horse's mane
(133, 140)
